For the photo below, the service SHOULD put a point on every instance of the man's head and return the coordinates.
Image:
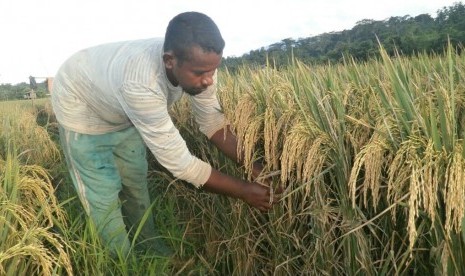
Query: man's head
(192, 51)
(190, 29)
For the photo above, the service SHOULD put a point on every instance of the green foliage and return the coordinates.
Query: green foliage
(13, 92)
(28, 210)
(10, 92)
(371, 158)
(404, 34)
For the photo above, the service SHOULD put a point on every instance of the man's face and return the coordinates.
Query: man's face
(194, 74)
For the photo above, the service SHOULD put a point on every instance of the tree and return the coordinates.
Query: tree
(398, 34)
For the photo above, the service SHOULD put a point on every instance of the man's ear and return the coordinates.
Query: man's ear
(169, 60)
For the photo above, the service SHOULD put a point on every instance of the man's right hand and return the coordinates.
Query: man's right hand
(260, 196)
(254, 194)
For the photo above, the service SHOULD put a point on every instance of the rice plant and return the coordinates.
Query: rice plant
(19, 124)
(371, 156)
(28, 210)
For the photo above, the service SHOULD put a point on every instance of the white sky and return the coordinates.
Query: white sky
(38, 35)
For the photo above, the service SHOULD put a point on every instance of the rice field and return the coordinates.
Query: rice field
(371, 157)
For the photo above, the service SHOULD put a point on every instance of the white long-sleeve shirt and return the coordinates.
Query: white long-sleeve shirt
(113, 86)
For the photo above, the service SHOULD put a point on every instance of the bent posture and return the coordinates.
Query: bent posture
(112, 102)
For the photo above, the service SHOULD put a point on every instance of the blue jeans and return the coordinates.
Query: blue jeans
(109, 172)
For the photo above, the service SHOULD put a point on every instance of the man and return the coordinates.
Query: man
(112, 101)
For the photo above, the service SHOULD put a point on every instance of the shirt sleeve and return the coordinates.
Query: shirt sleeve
(147, 109)
(207, 110)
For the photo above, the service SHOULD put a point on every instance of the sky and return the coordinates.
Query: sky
(38, 35)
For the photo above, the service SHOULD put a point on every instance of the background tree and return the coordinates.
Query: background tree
(403, 34)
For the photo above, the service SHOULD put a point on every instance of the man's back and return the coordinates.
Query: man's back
(88, 84)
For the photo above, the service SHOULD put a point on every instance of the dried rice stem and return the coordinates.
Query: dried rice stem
(399, 173)
(315, 159)
(430, 177)
(250, 139)
(245, 114)
(269, 133)
(373, 158)
(302, 147)
(454, 193)
(273, 131)
(413, 205)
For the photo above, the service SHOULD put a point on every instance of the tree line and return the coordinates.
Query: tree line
(21, 90)
(405, 35)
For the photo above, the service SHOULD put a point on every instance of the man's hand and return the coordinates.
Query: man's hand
(260, 196)
(255, 194)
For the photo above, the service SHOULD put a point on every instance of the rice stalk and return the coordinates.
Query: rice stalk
(374, 158)
(27, 215)
(431, 176)
(364, 150)
(293, 155)
(32, 140)
(454, 191)
(31, 186)
(33, 249)
(244, 116)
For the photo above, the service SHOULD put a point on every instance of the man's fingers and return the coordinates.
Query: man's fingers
(267, 177)
(276, 199)
(275, 195)
(279, 190)
(267, 196)
(263, 208)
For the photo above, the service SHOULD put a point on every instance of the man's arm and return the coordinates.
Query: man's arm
(226, 141)
(254, 194)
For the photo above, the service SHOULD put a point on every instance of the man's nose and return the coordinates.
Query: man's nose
(207, 81)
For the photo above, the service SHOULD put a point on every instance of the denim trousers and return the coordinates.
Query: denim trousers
(109, 173)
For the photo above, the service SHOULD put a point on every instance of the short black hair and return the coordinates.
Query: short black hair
(190, 29)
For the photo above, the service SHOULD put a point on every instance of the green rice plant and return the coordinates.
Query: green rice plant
(28, 209)
(370, 155)
(321, 101)
(276, 124)
(19, 124)
(420, 151)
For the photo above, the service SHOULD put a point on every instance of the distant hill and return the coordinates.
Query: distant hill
(405, 34)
